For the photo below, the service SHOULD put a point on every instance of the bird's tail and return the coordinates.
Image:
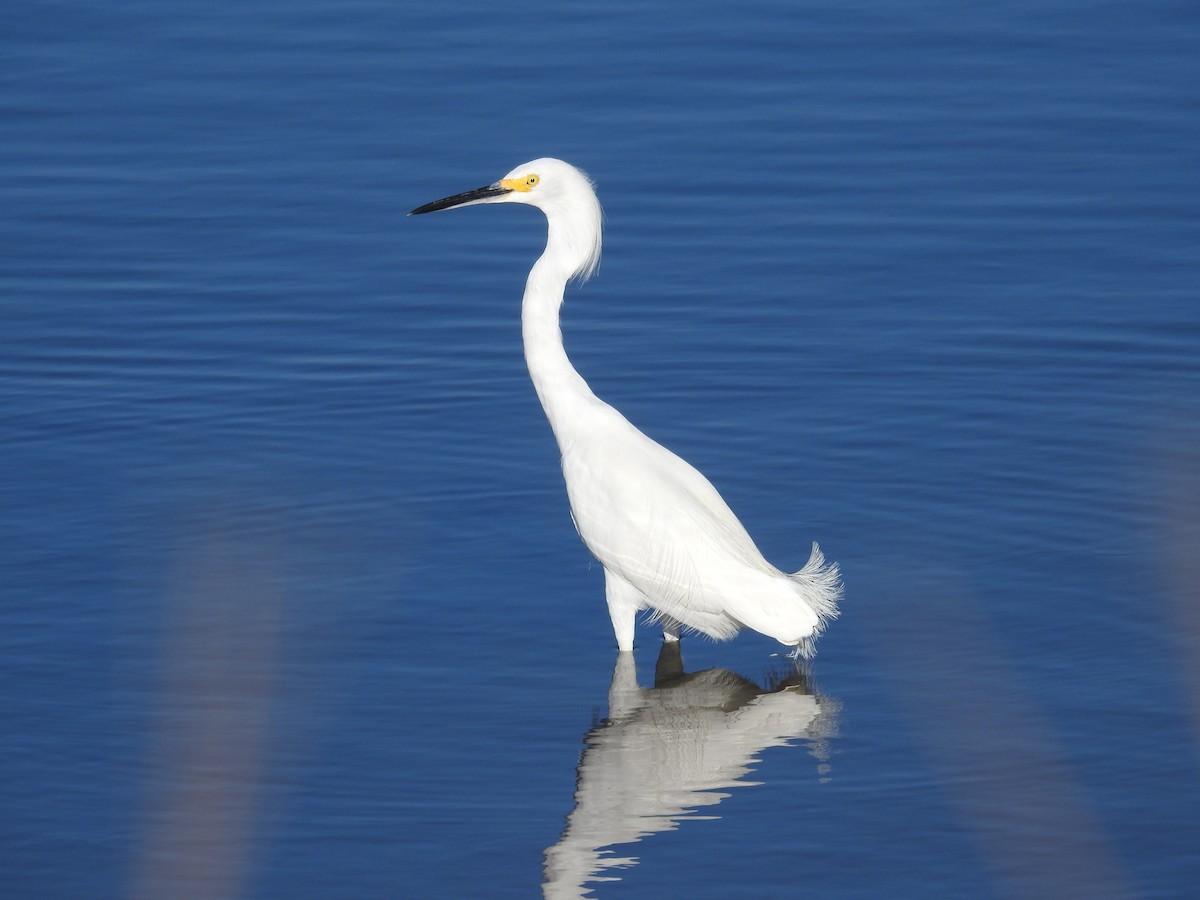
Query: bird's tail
(819, 584)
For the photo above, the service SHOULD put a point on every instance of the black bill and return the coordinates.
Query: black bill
(475, 196)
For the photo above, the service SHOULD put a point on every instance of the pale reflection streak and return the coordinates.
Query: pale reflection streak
(994, 751)
(1178, 472)
(666, 751)
(212, 711)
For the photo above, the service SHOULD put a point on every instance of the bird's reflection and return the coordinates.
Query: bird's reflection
(667, 751)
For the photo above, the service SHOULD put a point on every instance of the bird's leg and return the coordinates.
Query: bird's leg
(624, 600)
(625, 696)
(669, 667)
(670, 629)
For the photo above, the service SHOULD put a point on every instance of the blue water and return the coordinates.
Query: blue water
(290, 600)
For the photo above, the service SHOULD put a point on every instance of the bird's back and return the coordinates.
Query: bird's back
(652, 518)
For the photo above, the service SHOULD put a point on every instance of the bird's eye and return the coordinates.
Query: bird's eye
(532, 180)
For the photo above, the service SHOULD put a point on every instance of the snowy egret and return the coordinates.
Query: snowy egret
(667, 540)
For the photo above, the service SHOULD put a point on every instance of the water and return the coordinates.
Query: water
(291, 604)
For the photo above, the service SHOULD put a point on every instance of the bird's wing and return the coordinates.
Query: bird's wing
(653, 518)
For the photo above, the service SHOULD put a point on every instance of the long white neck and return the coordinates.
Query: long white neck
(561, 389)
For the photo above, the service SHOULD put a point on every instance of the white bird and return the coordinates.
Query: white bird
(667, 540)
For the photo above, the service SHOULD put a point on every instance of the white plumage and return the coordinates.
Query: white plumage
(667, 540)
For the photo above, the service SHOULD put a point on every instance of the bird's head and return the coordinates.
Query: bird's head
(562, 192)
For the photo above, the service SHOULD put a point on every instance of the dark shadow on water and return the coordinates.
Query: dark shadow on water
(665, 752)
